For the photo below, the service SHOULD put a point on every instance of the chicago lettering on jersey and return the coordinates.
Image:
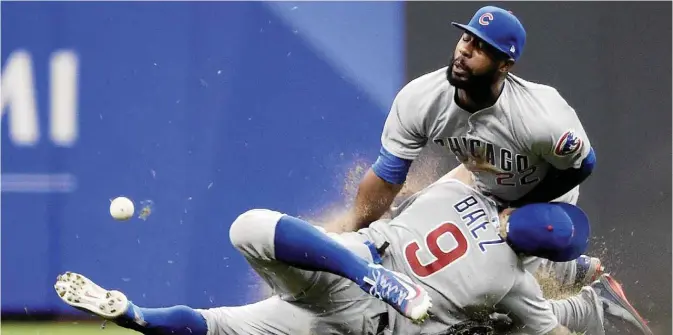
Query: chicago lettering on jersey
(476, 219)
(487, 157)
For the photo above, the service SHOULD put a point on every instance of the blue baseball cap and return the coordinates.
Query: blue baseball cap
(499, 28)
(555, 231)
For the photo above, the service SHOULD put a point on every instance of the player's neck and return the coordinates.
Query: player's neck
(476, 100)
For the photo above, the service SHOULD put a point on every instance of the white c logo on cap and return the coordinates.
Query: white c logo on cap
(485, 18)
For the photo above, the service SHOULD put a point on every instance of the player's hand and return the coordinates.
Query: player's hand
(460, 173)
(505, 213)
(477, 162)
(503, 217)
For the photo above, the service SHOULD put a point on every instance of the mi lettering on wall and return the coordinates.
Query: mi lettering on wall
(19, 100)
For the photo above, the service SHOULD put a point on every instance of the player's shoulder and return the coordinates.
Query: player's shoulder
(453, 191)
(539, 95)
(442, 191)
(452, 187)
(539, 109)
(426, 88)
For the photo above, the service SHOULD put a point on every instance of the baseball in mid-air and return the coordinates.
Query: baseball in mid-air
(122, 208)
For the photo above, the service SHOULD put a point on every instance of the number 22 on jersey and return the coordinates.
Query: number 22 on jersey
(431, 246)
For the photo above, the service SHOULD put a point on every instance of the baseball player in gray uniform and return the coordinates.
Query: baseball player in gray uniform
(521, 141)
(448, 246)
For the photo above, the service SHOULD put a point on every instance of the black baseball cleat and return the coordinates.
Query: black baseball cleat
(617, 309)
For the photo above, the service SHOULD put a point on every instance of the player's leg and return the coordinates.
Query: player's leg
(275, 316)
(581, 313)
(289, 245)
(336, 306)
(588, 311)
(270, 316)
(617, 308)
(335, 298)
(82, 293)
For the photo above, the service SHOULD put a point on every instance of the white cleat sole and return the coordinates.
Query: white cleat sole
(82, 293)
(421, 311)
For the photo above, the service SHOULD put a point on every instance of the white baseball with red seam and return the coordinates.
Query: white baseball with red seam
(122, 208)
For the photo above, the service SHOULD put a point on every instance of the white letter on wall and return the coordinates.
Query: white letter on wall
(18, 94)
(63, 82)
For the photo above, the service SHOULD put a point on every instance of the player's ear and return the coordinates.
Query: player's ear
(506, 65)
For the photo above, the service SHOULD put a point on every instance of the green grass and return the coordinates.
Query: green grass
(61, 328)
(65, 328)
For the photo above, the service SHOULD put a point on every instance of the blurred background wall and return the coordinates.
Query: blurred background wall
(200, 111)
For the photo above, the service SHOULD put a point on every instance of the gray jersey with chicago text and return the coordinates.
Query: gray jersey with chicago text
(509, 146)
(446, 238)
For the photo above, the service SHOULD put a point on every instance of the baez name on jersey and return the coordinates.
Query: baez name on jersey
(503, 163)
(477, 220)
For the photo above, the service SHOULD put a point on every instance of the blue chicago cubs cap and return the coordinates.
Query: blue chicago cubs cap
(499, 28)
(555, 231)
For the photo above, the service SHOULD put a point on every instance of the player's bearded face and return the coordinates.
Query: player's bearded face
(472, 66)
(471, 79)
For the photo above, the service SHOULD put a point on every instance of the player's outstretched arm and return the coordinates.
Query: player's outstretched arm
(403, 137)
(373, 199)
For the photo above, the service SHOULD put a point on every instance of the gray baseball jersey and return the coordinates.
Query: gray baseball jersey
(446, 237)
(509, 146)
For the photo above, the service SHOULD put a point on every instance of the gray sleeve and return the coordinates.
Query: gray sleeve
(525, 304)
(403, 134)
(562, 141)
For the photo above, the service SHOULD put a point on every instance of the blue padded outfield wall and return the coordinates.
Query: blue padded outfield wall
(199, 111)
